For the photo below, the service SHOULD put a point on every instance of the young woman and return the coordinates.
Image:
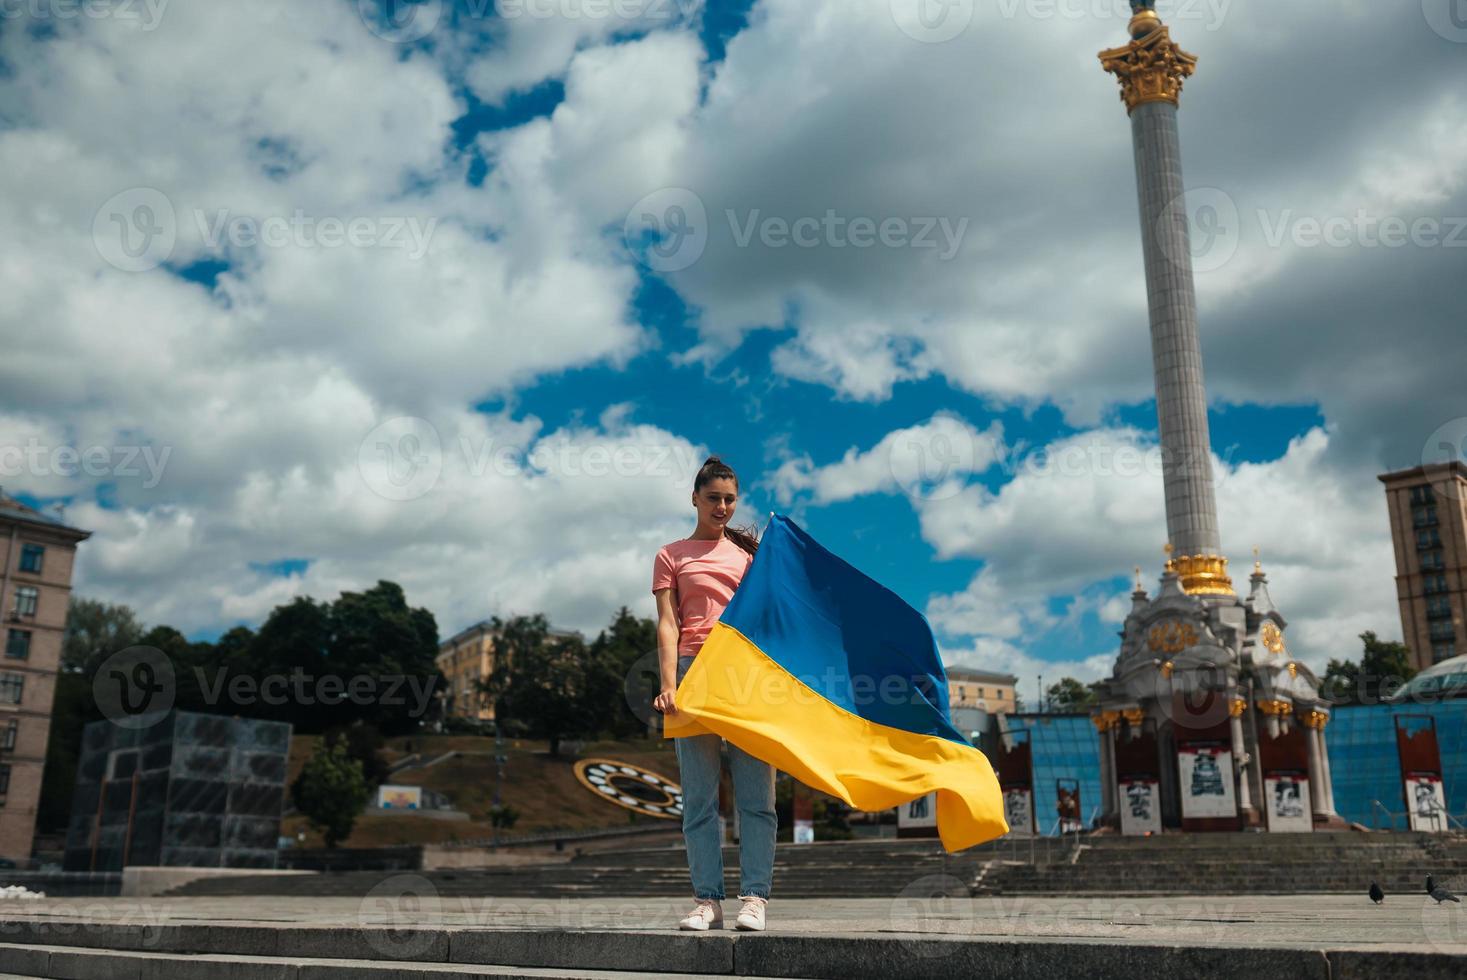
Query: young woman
(693, 579)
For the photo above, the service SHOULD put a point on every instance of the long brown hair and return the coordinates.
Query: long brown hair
(716, 469)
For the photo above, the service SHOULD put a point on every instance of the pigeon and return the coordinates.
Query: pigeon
(1439, 893)
(1376, 895)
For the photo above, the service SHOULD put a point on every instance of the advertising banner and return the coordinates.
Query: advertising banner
(1206, 775)
(921, 812)
(1018, 810)
(1428, 802)
(1288, 804)
(400, 797)
(1140, 807)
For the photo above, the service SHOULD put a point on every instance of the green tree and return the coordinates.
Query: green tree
(364, 744)
(331, 791)
(1070, 696)
(372, 635)
(541, 683)
(1384, 666)
(94, 631)
(1341, 682)
(614, 655)
(71, 708)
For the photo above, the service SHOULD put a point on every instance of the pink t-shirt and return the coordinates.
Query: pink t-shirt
(704, 575)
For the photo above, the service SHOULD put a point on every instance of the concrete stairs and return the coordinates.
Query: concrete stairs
(111, 951)
(837, 869)
(1169, 864)
(1238, 864)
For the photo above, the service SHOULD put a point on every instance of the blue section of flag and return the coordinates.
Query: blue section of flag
(846, 636)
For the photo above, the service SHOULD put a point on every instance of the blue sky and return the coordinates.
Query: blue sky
(322, 406)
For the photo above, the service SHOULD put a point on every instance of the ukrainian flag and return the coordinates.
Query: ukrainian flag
(829, 676)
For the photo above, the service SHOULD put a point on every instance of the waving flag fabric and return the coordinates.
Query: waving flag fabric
(829, 676)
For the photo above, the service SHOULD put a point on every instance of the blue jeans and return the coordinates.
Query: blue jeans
(699, 761)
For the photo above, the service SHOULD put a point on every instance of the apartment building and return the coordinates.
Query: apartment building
(468, 657)
(990, 692)
(37, 552)
(1427, 506)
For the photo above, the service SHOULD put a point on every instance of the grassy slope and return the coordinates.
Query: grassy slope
(543, 789)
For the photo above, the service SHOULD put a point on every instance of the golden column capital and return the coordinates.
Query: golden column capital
(1202, 574)
(1151, 67)
(1236, 707)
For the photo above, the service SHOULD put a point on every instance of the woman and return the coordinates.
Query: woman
(693, 579)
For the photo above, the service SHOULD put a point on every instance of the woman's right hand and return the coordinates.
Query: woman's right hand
(664, 701)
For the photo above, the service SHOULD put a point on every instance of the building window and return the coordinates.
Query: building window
(1432, 561)
(1427, 539)
(1435, 584)
(1439, 607)
(1443, 629)
(8, 735)
(18, 645)
(25, 599)
(4, 782)
(1422, 494)
(30, 557)
(1424, 515)
(1442, 651)
(11, 688)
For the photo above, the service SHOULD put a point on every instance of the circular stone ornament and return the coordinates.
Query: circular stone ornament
(637, 789)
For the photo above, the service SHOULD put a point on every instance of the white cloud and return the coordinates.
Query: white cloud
(533, 40)
(1078, 513)
(263, 390)
(928, 460)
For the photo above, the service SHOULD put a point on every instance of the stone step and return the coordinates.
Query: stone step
(220, 952)
(69, 963)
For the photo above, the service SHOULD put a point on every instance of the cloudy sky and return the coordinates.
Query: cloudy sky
(459, 294)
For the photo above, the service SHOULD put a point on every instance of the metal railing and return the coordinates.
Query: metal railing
(1043, 845)
(1376, 806)
(1432, 806)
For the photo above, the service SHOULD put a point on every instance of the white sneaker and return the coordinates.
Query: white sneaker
(706, 914)
(751, 916)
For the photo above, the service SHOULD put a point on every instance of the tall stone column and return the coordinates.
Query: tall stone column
(1236, 707)
(1151, 70)
(1329, 779)
(1316, 775)
(1105, 730)
(1324, 799)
